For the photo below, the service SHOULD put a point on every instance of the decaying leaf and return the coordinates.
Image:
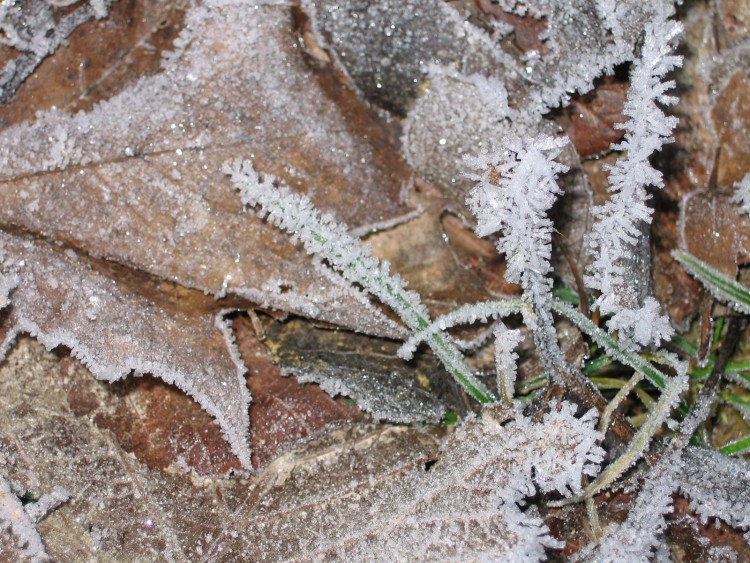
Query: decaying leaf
(714, 229)
(593, 118)
(99, 59)
(137, 179)
(119, 508)
(36, 30)
(463, 508)
(61, 300)
(365, 369)
(284, 413)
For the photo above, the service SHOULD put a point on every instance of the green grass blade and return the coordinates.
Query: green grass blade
(721, 287)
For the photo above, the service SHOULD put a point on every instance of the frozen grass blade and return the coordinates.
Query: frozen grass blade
(331, 241)
(612, 346)
(736, 447)
(721, 287)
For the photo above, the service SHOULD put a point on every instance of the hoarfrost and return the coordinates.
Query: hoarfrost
(639, 536)
(137, 179)
(36, 31)
(742, 193)
(465, 507)
(718, 487)
(14, 517)
(453, 105)
(126, 332)
(617, 235)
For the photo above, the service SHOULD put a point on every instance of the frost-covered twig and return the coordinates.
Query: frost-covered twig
(323, 236)
(617, 232)
(638, 537)
(516, 187)
(505, 360)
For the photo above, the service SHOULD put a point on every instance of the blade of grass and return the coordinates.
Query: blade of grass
(721, 287)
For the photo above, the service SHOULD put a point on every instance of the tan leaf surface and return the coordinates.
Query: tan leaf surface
(136, 179)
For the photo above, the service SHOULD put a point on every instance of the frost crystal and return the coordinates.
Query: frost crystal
(617, 233)
(515, 189)
(742, 194)
(505, 359)
(638, 537)
(718, 487)
(14, 517)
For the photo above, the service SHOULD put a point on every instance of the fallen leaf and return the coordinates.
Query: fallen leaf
(137, 179)
(365, 369)
(593, 118)
(120, 508)
(713, 228)
(284, 413)
(156, 422)
(115, 330)
(98, 59)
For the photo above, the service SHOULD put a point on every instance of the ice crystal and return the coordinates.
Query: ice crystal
(718, 487)
(505, 359)
(618, 230)
(742, 193)
(639, 536)
(516, 187)
(20, 524)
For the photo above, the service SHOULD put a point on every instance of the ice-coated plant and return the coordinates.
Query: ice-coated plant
(516, 185)
(618, 229)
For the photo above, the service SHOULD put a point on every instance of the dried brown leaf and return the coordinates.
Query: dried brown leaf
(137, 179)
(593, 117)
(714, 229)
(115, 330)
(120, 509)
(284, 413)
(98, 59)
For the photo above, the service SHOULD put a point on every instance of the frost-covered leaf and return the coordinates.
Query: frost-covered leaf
(718, 487)
(462, 508)
(137, 179)
(365, 369)
(115, 329)
(714, 229)
(120, 509)
(359, 491)
(36, 30)
(387, 47)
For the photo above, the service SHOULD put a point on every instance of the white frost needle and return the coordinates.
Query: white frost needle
(617, 232)
(322, 236)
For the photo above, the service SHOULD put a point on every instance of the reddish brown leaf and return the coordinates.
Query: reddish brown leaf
(116, 326)
(731, 120)
(527, 30)
(713, 229)
(283, 413)
(99, 59)
(156, 422)
(593, 118)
